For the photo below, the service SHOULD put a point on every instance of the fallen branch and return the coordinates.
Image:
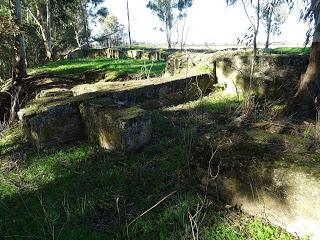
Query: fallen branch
(148, 210)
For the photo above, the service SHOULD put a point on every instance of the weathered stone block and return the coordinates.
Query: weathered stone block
(135, 54)
(274, 176)
(52, 118)
(58, 124)
(114, 128)
(275, 77)
(155, 92)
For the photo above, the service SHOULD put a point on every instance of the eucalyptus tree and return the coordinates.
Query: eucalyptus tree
(274, 14)
(129, 24)
(169, 12)
(306, 100)
(113, 31)
(254, 19)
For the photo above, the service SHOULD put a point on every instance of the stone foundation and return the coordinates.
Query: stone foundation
(275, 77)
(114, 128)
(54, 117)
(118, 53)
(58, 124)
(265, 175)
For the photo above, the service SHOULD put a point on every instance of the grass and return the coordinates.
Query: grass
(78, 66)
(79, 191)
(291, 50)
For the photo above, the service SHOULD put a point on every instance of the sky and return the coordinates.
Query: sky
(209, 21)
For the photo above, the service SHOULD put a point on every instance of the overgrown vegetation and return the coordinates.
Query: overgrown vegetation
(79, 191)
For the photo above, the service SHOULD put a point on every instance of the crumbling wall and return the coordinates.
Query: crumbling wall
(274, 77)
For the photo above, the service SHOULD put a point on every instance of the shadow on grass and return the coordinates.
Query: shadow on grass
(82, 192)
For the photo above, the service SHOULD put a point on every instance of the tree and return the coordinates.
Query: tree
(40, 12)
(129, 30)
(87, 7)
(169, 12)
(113, 31)
(6, 43)
(306, 101)
(273, 16)
(20, 68)
(20, 63)
(255, 19)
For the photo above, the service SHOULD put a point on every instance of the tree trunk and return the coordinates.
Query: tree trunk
(85, 21)
(256, 31)
(20, 47)
(76, 35)
(270, 13)
(43, 31)
(129, 30)
(49, 27)
(306, 101)
(168, 34)
(20, 66)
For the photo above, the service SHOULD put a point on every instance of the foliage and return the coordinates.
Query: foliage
(113, 31)
(169, 12)
(309, 13)
(6, 42)
(274, 14)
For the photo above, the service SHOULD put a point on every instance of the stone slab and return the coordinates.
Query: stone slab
(284, 193)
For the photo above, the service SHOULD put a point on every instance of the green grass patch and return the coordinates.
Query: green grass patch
(244, 228)
(78, 66)
(291, 50)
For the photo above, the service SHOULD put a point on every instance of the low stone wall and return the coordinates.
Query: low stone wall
(264, 175)
(119, 53)
(275, 77)
(54, 117)
(285, 195)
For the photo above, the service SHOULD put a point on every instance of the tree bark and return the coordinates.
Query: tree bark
(168, 34)
(20, 63)
(20, 47)
(256, 31)
(306, 101)
(49, 26)
(85, 21)
(129, 29)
